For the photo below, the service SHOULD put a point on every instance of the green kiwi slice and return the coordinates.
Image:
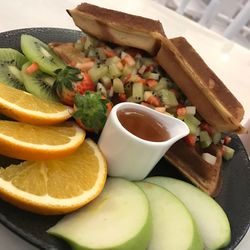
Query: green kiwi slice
(39, 84)
(37, 51)
(11, 62)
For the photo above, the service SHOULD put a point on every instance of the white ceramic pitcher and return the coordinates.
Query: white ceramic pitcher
(129, 156)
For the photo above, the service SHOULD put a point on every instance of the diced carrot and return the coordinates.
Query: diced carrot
(151, 82)
(32, 68)
(153, 100)
(122, 97)
(181, 111)
(109, 107)
(109, 52)
(190, 139)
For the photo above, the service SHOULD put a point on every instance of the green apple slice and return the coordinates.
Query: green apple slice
(173, 226)
(119, 218)
(210, 218)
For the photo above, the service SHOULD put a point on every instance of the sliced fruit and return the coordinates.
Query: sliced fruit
(55, 186)
(173, 226)
(11, 62)
(119, 219)
(39, 83)
(25, 107)
(210, 218)
(31, 142)
(39, 52)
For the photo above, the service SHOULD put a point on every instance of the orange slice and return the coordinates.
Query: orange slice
(31, 142)
(25, 107)
(55, 186)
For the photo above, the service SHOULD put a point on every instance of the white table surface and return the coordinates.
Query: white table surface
(230, 61)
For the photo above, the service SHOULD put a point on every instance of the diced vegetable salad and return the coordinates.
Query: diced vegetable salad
(127, 74)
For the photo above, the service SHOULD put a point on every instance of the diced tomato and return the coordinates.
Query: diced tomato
(149, 68)
(205, 126)
(32, 68)
(190, 139)
(151, 82)
(122, 97)
(109, 107)
(153, 100)
(181, 111)
(227, 140)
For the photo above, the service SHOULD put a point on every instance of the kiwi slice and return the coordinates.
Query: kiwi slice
(37, 51)
(39, 84)
(11, 62)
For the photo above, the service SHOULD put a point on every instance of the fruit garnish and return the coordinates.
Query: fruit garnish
(39, 52)
(11, 62)
(25, 107)
(55, 186)
(70, 81)
(118, 219)
(31, 142)
(38, 83)
(91, 110)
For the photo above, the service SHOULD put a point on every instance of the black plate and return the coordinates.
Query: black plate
(234, 196)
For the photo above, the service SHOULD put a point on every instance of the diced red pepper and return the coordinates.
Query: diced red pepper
(122, 97)
(32, 68)
(227, 140)
(181, 111)
(190, 139)
(153, 100)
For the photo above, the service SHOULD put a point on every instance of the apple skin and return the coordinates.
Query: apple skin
(116, 193)
(211, 220)
(170, 216)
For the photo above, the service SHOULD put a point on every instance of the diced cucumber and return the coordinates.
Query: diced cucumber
(216, 137)
(191, 110)
(192, 127)
(228, 152)
(138, 92)
(114, 72)
(112, 60)
(106, 81)
(130, 99)
(167, 97)
(101, 54)
(100, 88)
(96, 73)
(90, 42)
(162, 84)
(209, 158)
(151, 75)
(192, 119)
(118, 86)
(205, 139)
(92, 53)
(127, 70)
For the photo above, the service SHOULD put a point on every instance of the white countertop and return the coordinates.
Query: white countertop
(230, 61)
